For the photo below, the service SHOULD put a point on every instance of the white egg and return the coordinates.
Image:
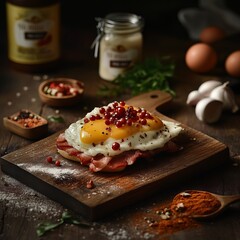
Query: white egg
(142, 140)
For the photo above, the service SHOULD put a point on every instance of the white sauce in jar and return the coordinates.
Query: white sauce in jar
(120, 45)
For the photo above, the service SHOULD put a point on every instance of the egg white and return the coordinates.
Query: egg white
(143, 141)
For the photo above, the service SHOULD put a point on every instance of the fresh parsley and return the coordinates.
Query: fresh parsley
(152, 74)
(68, 218)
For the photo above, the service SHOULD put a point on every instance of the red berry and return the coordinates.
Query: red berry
(49, 159)
(115, 146)
(102, 110)
(129, 122)
(122, 103)
(92, 118)
(86, 120)
(118, 124)
(115, 104)
(143, 121)
(58, 163)
(107, 122)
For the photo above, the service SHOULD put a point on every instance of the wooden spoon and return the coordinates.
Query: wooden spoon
(225, 201)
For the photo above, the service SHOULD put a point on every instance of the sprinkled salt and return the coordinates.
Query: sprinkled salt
(9, 103)
(25, 88)
(185, 194)
(36, 78)
(33, 100)
(17, 195)
(54, 171)
(18, 94)
(45, 77)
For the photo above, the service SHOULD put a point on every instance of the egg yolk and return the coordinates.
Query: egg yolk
(97, 131)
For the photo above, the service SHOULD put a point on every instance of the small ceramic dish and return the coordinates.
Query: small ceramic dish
(61, 92)
(27, 124)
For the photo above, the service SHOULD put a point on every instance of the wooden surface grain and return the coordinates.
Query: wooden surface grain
(67, 184)
(22, 208)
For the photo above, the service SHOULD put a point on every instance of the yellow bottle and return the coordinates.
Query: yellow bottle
(33, 28)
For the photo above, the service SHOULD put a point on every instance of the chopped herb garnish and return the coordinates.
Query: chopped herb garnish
(58, 119)
(152, 74)
(66, 218)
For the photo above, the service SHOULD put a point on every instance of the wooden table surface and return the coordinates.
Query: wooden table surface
(22, 209)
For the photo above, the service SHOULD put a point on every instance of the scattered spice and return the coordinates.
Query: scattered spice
(195, 203)
(176, 215)
(27, 119)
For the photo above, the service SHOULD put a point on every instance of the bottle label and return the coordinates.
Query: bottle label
(114, 63)
(33, 34)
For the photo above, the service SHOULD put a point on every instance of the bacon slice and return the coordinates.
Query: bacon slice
(106, 163)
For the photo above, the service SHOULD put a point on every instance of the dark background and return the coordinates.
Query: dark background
(159, 15)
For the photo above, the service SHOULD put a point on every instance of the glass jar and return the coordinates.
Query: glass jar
(121, 43)
(33, 34)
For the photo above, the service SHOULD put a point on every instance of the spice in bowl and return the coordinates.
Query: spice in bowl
(61, 91)
(26, 124)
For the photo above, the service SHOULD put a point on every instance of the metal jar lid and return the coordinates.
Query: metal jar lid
(122, 22)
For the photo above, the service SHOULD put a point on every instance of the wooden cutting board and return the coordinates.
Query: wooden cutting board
(66, 184)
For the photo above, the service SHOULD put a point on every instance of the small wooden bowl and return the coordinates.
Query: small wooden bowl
(27, 124)
(62, 100)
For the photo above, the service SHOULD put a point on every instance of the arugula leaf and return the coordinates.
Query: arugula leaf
(152, 74)
(47, 226)
(68, 218)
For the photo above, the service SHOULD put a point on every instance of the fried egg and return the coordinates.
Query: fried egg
(117, 127)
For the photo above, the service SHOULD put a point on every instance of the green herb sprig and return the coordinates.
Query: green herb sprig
(66, 218)
(152, 74)
(56, 119)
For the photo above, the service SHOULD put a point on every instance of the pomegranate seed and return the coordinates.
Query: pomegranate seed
(92, 118)
(143, 121)
(115, 146)
(86, 120)
(142, 115)
(107, 115)
(58, 163)
(115, 104)
(118, 124)
(49, 159)
(120, 111)
(122, 120)
(122, 103)
(109, 109)
(102, 110)
(129, 122)
(98, 117)
(107, 122)
(147, 115)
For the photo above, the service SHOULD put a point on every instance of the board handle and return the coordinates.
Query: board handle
(150, 100)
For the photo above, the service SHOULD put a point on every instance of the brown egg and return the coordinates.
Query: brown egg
(211, 34)
(232, 64)
(201, 58)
